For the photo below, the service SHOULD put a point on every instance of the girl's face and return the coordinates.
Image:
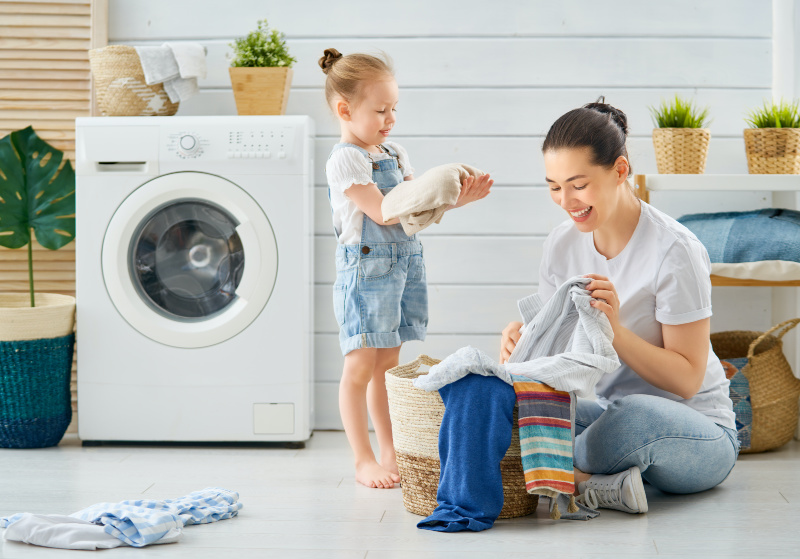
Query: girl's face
(369, 122)
(590, 194)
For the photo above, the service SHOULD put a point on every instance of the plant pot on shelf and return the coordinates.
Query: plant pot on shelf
(681, 150)
(36, 346)
(261, 91)
(772, 150)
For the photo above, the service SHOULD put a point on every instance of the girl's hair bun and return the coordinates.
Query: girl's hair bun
(328, 58)
(614, 113)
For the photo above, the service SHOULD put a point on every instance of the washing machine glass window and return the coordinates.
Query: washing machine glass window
(187, 259)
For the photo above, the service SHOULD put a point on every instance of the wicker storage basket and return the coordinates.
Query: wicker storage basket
(681, 150)
(774, 390)
(772, 151)
(120, 86)
(416, 416)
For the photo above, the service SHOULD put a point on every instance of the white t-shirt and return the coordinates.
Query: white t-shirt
(348, 166)
(661, 277)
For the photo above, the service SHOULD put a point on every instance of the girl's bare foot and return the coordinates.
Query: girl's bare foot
(372, 474)
(389, 463)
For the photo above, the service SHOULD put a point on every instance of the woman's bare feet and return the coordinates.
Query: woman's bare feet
(372, 474)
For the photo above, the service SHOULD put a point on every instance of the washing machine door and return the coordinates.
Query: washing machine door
(189, 259)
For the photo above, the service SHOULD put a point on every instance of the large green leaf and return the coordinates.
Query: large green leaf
(34, 192)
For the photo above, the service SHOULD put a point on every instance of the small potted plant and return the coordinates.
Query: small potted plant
(37, 193)
(680, 139)
(772, 142)
(261, 72)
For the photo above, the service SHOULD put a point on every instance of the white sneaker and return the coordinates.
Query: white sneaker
(623, 491)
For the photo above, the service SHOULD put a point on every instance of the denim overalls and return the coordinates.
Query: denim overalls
(380, 297)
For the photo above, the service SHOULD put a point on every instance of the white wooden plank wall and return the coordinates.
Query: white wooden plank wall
(481, 85)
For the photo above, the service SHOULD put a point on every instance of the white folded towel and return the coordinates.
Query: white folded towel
(175, 65)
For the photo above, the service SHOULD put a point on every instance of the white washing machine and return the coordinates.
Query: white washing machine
(194, 278)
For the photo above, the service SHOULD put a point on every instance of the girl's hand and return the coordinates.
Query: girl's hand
(604, 298)
(511, 336)
(474, 189)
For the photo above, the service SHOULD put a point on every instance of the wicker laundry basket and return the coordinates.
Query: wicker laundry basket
(681, 150)
(774, 390)
(120, 86)
(416, 416)
(772, 151)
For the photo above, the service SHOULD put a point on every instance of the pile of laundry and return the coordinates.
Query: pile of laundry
(175, 65)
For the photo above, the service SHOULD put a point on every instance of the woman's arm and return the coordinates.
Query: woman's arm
(679, 367)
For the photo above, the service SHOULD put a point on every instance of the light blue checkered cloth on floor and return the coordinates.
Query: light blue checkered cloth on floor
(143, 522)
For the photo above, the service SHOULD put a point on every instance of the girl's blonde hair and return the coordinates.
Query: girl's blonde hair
(347, 74)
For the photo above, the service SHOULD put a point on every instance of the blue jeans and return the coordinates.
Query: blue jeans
(677, 449)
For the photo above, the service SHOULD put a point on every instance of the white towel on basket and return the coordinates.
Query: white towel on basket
(175, 65)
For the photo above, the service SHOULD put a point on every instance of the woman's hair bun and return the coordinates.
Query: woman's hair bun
(328, 58)
(616, 115)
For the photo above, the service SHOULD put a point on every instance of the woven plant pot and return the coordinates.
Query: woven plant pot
(120, 87)
(772, 151)
(261, 91)
(36, 346)
(416, 416)
(681, 150)
(774, 390)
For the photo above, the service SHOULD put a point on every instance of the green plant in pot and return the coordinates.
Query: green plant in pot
(261, 72)
(37, 196)
(772, 142)
(680, 137)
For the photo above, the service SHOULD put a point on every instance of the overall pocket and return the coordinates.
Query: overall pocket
(339, 302)
(375, 268)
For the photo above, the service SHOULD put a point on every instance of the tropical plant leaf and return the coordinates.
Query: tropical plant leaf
(36, 194)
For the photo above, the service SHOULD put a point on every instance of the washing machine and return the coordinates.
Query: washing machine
(194, 265)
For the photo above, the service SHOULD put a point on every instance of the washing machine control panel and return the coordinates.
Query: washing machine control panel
(276, 143)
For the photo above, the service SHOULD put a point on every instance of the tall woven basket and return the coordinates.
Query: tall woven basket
(772, 151)
(120, 86)
(416, 416)
(774, 390)
(681, 150)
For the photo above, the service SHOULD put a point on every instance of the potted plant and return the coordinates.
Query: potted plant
(772, 142)
(37, 193)
(261, 72)
(680, 139)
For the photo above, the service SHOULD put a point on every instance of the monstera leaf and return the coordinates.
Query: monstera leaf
(35, 194)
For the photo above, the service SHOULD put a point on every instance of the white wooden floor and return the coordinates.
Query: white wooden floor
(305, 503)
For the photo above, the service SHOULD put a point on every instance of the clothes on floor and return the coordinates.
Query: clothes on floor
(661, 277)
(348, 165)
(380, 296)
(677, 448)
(423, 201)
(566, 343)
(136, 523)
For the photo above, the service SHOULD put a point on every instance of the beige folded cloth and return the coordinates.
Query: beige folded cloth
(422, 201)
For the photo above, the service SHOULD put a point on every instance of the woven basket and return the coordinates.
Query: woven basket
(120, 86)
(774, 390)
(681, 150)
(416, 416)
(772, 151)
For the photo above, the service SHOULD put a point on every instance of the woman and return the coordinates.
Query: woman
(664, 415)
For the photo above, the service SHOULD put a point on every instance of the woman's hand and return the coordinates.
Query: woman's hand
(511, 336)
(474, 189)
(605, 298)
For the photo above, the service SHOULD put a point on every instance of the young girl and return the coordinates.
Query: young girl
(380, 296)
(665, 414)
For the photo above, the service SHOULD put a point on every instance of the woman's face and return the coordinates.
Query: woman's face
(590, 194)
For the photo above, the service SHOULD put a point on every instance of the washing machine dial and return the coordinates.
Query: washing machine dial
(188, 144)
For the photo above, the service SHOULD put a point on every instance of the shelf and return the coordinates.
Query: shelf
(644, 184)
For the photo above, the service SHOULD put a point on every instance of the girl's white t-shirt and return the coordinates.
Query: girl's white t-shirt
(348, 166)
(662, 276)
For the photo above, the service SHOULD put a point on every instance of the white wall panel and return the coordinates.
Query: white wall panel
(511, 112)
(481, 85)
(190, 19)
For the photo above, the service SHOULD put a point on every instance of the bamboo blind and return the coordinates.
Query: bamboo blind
(45, 83)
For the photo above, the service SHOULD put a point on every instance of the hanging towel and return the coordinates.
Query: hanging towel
(135, 523)
(175, 65)
(421, 202)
